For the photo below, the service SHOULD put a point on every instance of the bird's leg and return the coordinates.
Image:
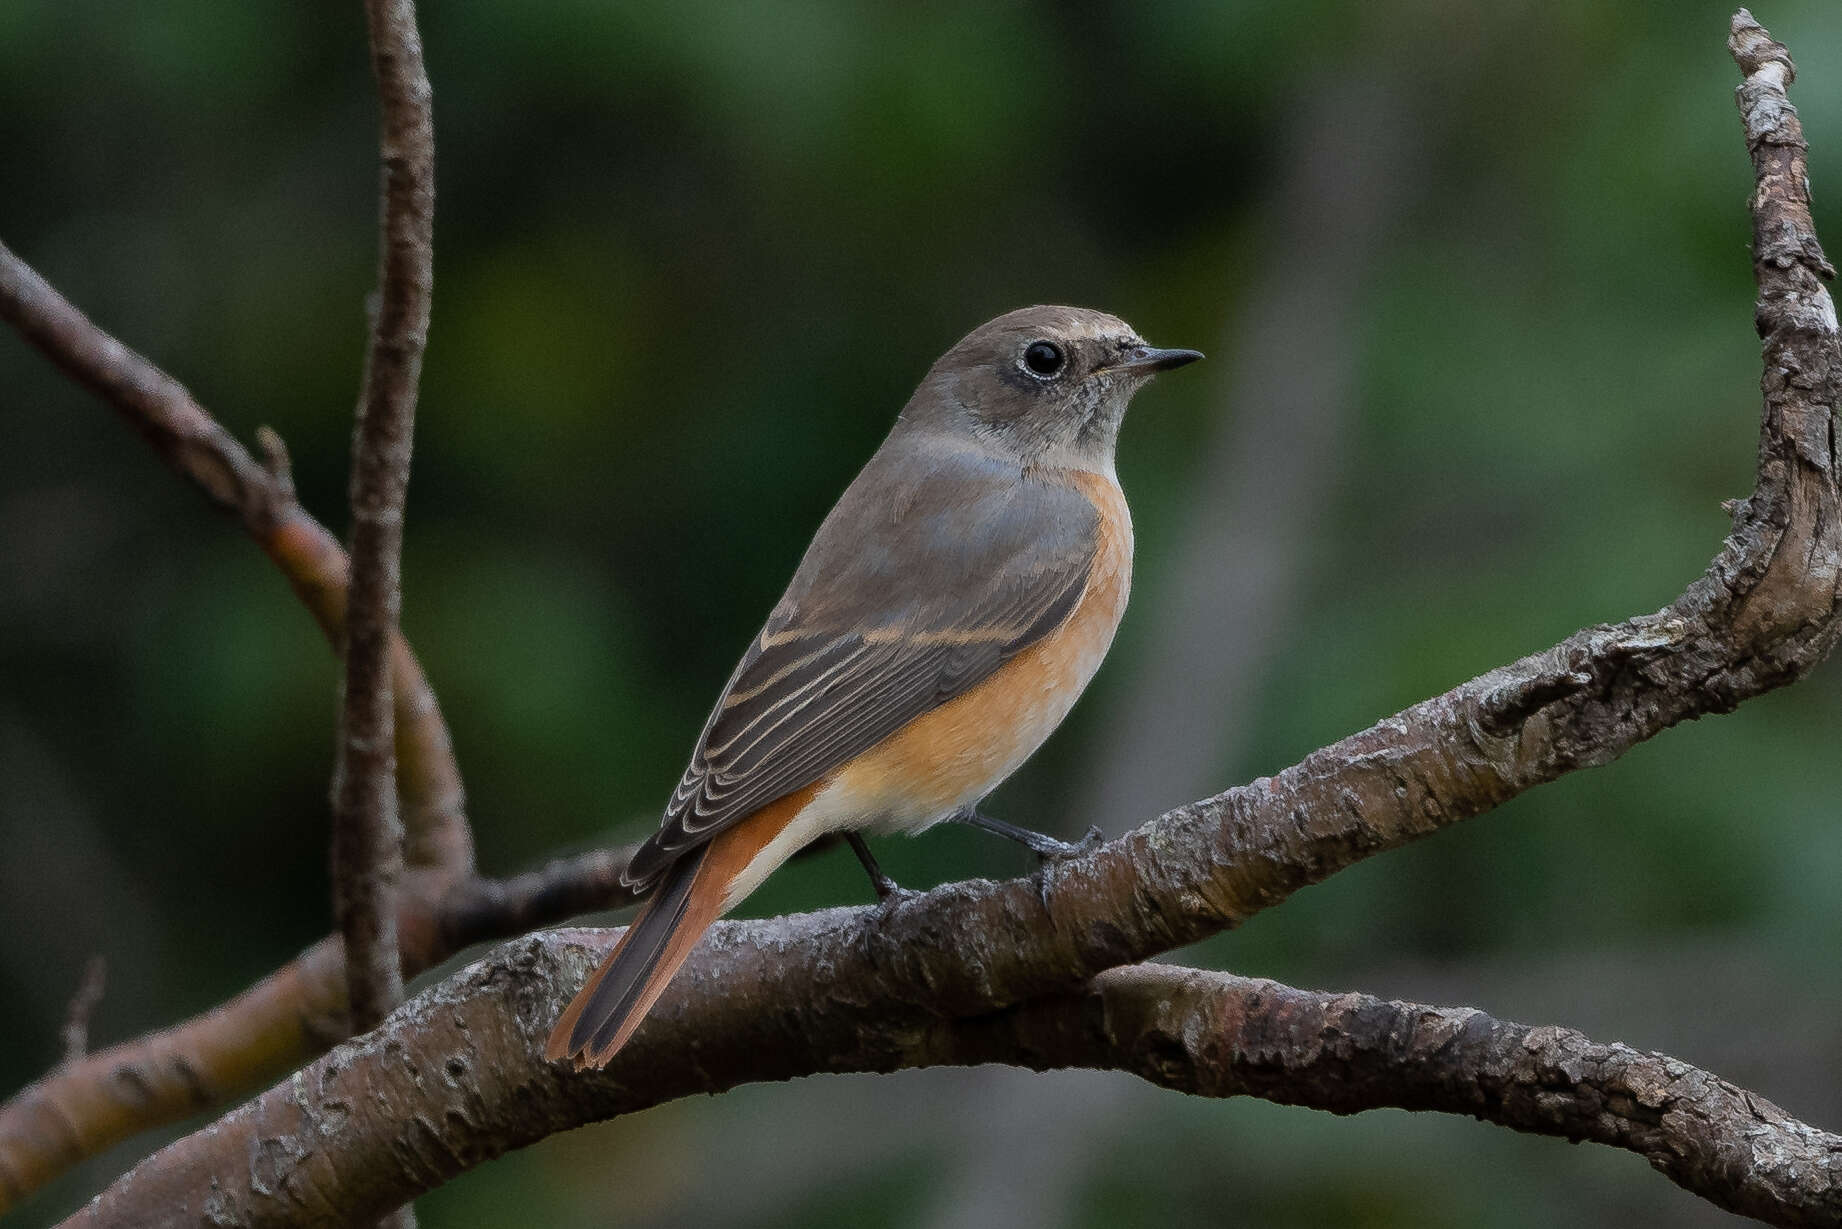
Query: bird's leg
(888, 891)
(1045, 847)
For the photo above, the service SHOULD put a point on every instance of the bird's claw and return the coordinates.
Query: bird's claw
(1091, 840)
(1051, 859)
(891, 896)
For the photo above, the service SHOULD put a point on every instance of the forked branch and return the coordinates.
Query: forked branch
(1011, 972)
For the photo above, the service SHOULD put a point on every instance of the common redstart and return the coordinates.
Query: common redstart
(951, 608)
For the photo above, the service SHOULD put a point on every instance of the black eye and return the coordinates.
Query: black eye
(1043, 358)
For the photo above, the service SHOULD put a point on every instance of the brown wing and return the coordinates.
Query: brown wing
(925, 578)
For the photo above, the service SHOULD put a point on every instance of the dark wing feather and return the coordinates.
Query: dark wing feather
(929, 574)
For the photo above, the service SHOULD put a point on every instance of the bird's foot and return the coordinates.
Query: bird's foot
(889, 893)
(1048, 870)
(891, 896)
(1090, 840)
(1046, 847)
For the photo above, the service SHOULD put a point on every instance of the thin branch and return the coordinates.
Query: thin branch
(260, 494)
(154, 403)
(853, 989)
(484, 910)
(857, 988)
(83, 1005)
(367, 843)
(463, 1062)
(79, 1109)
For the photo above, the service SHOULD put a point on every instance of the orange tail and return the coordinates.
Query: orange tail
(607, 1010)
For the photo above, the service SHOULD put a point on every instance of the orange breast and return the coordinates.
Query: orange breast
(959, 752)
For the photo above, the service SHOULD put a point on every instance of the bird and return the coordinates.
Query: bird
(950, 609)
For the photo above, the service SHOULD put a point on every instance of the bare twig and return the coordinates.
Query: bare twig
(261, 496)
(861, 990)
(82, 1006)
(366, 838)
(482, 910)
(857, 989)
(464, 1061)
(154, 403)
(83, 1107)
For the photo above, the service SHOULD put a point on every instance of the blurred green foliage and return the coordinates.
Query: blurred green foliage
(690, 261)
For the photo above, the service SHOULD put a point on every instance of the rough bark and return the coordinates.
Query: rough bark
(1215, 1035)
(457, 1076)
(367, 839)
(1216, 633)
(1017, 968)
(83, 1107)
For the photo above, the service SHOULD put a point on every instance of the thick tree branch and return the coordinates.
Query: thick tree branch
(457, 1076)
(1216, 1035)
(80, 1108)
(367, 841)
(1183, 710)
(859, 990)
(289, 1017)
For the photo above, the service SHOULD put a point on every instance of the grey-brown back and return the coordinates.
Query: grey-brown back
(938, 564)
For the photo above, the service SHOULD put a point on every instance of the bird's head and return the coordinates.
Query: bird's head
(1042, 385)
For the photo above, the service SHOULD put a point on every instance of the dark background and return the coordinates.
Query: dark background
(1474, 284)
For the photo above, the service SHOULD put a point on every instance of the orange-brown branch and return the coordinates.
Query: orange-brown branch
(260, 494)
(874, 990)
(118, 1091)
(429, 788)
(851, 990)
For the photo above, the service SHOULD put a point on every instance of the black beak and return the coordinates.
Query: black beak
(1150, 359)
